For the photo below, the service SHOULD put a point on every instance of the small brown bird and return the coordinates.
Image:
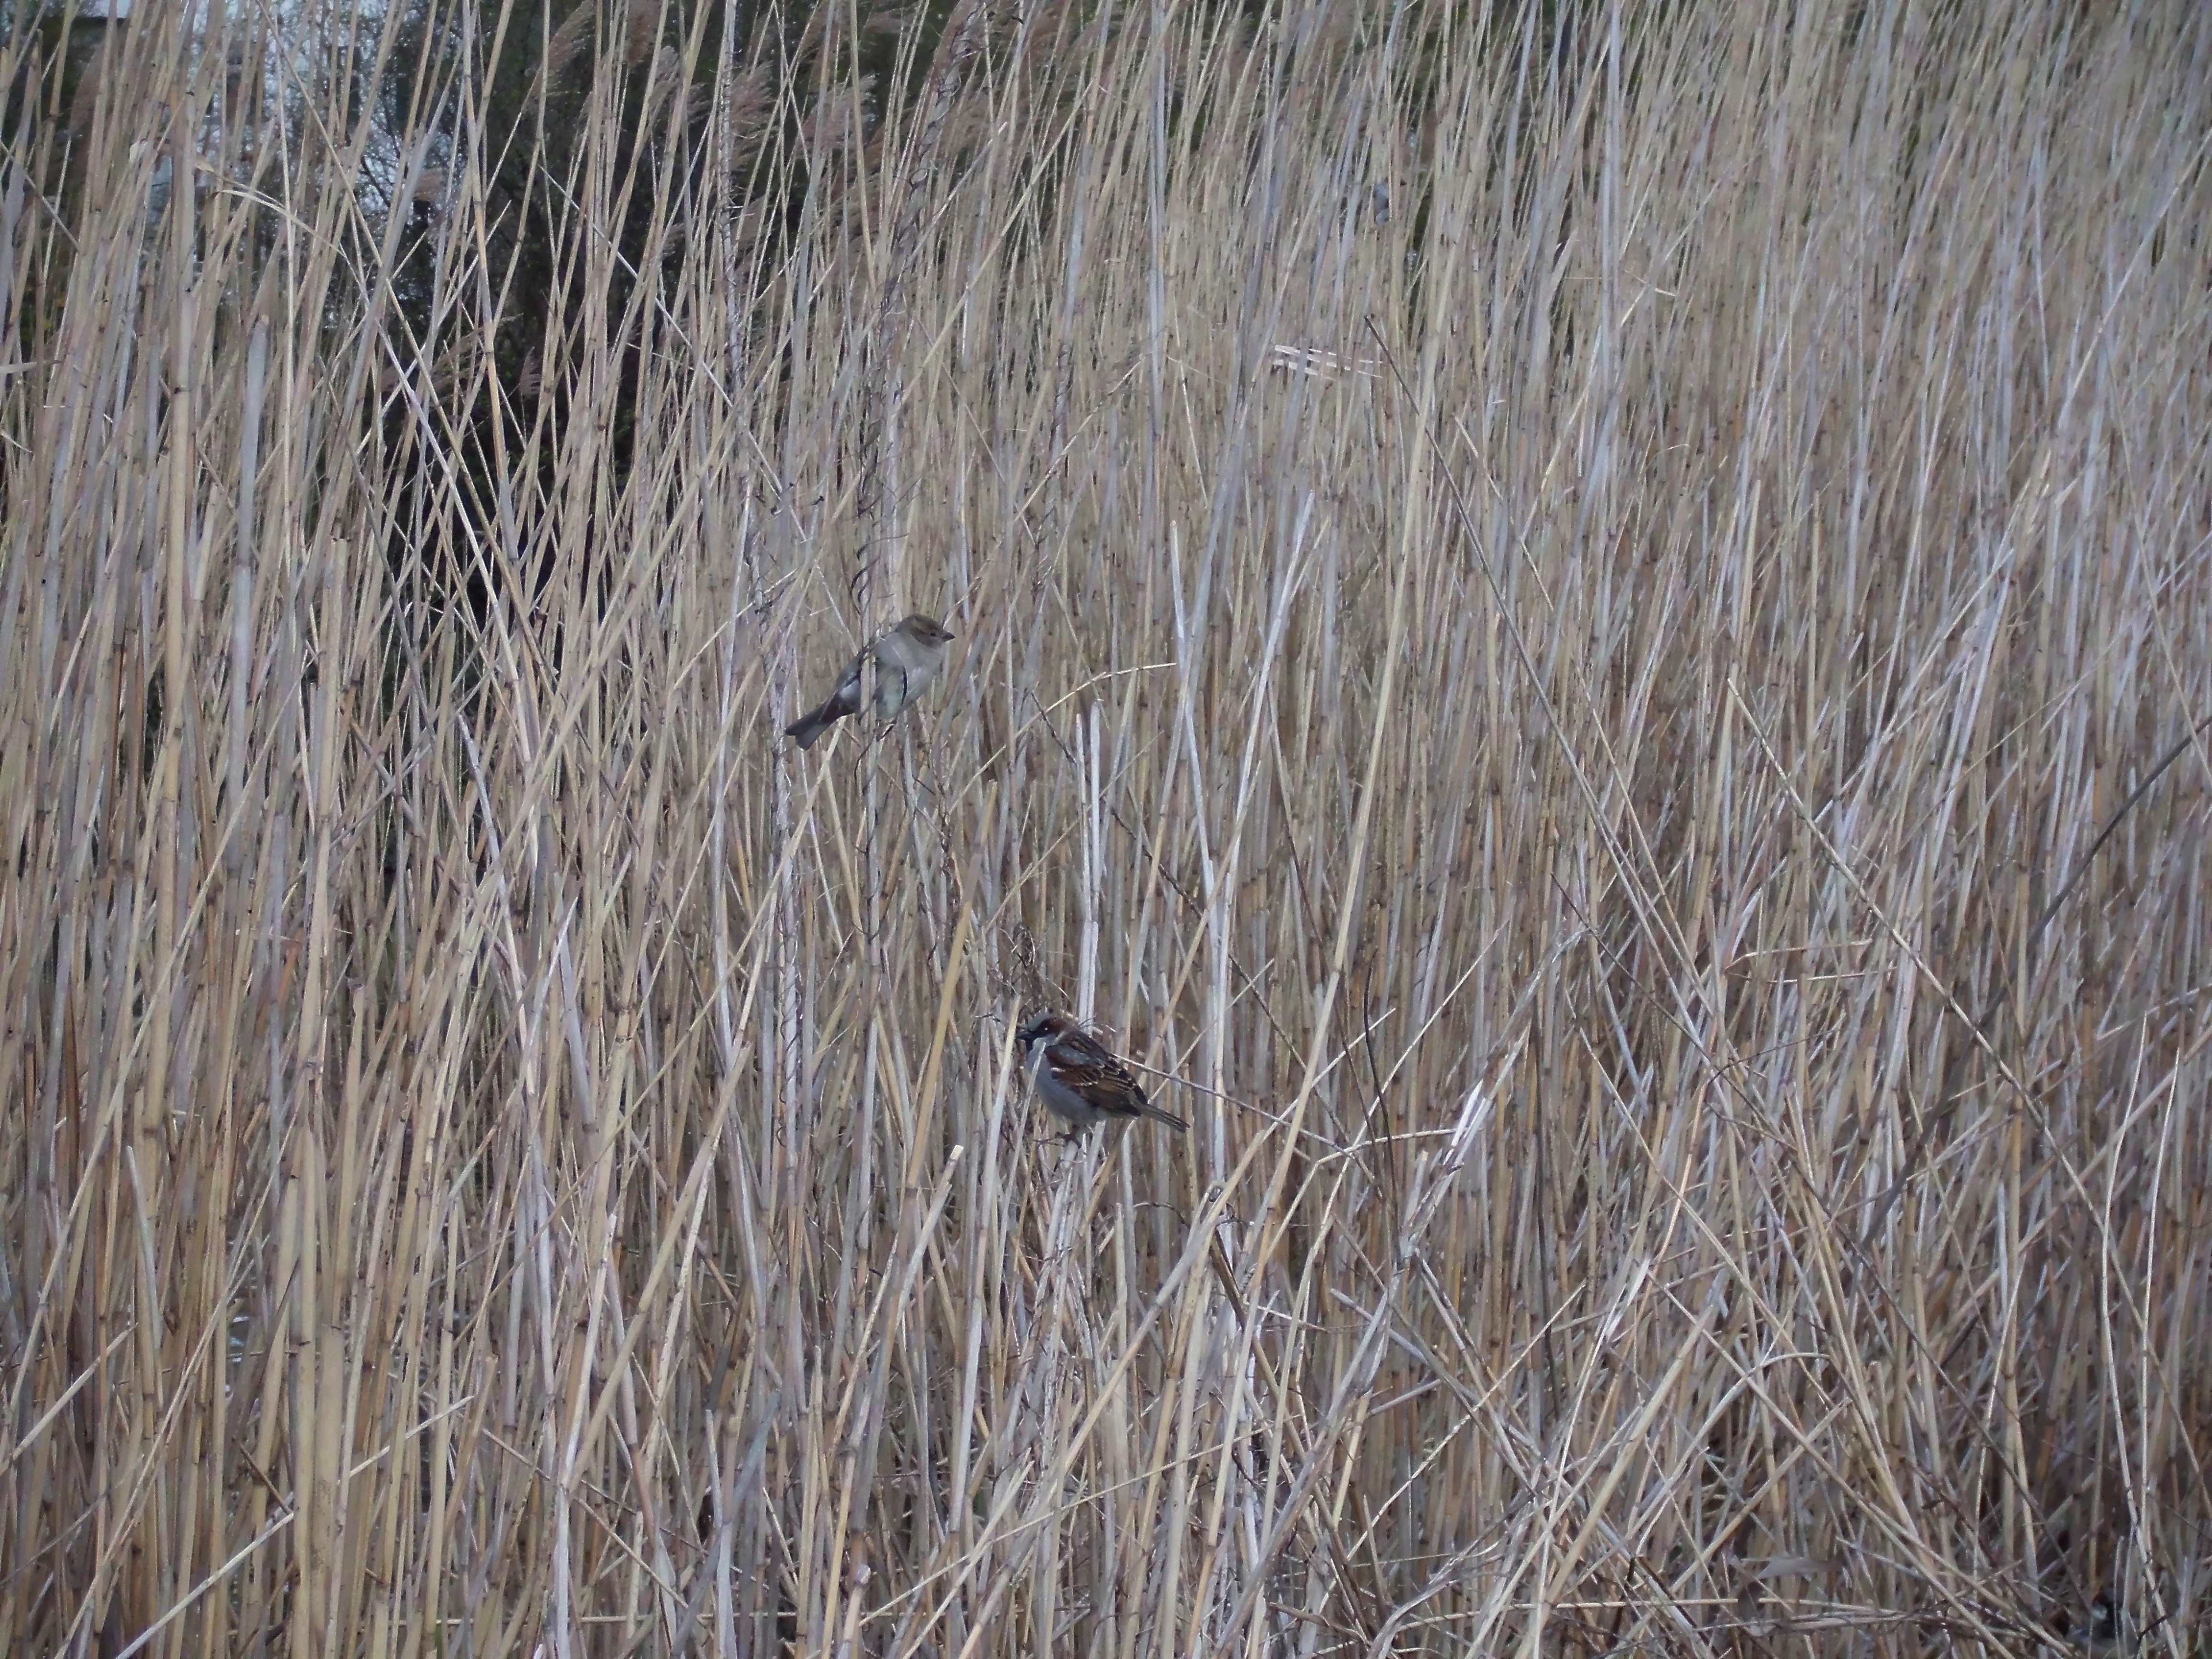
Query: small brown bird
(907, 658)
(1078, 1080)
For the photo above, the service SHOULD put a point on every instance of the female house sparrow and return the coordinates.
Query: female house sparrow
(908, 658)
(1080, 1083)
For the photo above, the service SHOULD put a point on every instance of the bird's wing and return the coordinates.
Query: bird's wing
(846, 698)
(891, 685)
(1084, 1065)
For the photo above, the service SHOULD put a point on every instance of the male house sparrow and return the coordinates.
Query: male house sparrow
(908, 658)
(1080, 1083)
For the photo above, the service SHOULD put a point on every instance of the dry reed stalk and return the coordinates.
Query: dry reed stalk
(1618, 798)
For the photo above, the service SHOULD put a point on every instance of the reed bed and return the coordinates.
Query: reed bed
(1585, 630)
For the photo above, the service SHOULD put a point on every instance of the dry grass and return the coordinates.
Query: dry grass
(1554, 710)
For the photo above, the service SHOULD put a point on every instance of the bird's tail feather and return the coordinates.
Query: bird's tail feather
(807, 731)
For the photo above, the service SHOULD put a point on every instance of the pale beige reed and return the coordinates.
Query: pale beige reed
(506, 1158)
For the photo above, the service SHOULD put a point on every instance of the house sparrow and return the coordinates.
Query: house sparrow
(1080, 1082)
(908, 658)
